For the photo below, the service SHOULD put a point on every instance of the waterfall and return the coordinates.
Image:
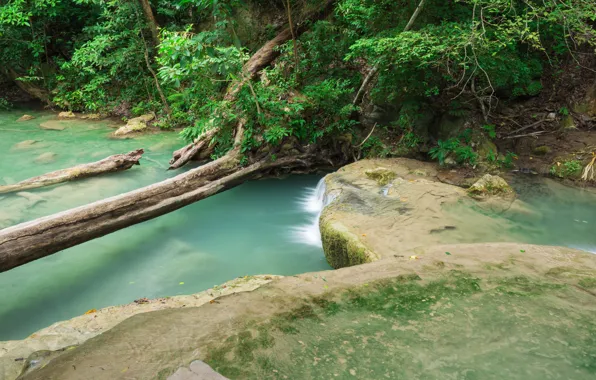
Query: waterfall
(313, 202)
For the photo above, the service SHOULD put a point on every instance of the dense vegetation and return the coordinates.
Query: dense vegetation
(178, 58)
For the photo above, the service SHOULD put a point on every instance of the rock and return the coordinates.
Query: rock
(551, 116)
(52, 125)
(31, 197)
(26, 118)
(66, 115)
(25, 144)
(137, 124)
(379, 206)
(381, 175)
(490, 185)
(91, 116)
(76, 331)
(541, 150)
(45, 158)
(588, 105)
(568, 123)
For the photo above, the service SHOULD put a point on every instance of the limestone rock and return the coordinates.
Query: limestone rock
(25, 144)
(52, 125)
(46, 157)
(381, 175)
(137, 124)
(91, 116)
(380, 206)
(66, 115)
(26, 118)
(490, 185)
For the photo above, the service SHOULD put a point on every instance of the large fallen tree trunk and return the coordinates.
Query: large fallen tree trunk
(115, 163)
(199, 149)
(29, 241)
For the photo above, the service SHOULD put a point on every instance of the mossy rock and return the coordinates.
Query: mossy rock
(381, 175)
(490, 185)
(541, 150)
(343, 248)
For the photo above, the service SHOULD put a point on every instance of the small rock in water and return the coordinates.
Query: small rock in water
(137, 124)
(31, 197)
(45, 158)
(25, 144)
(66, 115)
(52, 125)
(91, 116)
(26, 117)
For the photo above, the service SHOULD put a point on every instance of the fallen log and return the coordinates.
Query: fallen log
(115, 163)
(32, 240)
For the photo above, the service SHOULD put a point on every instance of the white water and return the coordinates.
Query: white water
(313, 202)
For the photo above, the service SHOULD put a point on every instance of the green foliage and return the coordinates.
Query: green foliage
(457, 149)
(5, 104)
(567, 169)
(490, 130)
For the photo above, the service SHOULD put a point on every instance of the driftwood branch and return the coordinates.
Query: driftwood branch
(110, 164)
(32, 240)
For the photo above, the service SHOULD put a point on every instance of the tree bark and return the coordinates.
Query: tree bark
(153, 26)
(261, 59)
(30, 241)
(110, 164)
(29, 88)
(375, 69)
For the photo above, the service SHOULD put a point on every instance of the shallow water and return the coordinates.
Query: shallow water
(247, 230)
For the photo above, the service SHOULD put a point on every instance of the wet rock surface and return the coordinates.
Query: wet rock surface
(496, 310)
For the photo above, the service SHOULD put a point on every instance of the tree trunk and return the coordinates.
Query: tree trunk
(261, 59)
(110, 164)
(150, 20)
(30, 241)
(29, 88)
(375, 69)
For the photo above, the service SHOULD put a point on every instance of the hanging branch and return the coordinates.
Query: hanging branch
(375, 69)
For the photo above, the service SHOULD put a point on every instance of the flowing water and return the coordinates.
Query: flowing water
(263, 227)
(247, 230)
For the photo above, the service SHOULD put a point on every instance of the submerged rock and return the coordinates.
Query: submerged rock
(26, 118)
(25, 144)
(66, 115)
(45, 158)
(52, 125)
(137, 124)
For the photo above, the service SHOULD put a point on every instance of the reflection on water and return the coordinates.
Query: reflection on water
(240, 232)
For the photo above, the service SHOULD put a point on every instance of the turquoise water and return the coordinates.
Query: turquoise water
(247, 230)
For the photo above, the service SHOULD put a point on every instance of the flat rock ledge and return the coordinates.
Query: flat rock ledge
(495, 310)
(66, 334)
(376, 208)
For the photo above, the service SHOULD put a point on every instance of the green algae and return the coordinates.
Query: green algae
(459, 326)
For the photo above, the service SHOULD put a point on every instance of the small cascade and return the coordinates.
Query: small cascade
(313, 202)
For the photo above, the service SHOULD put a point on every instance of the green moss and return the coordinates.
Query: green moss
(381, 175)
(342, 248)
(589, 283)
(384, 328)
(541, 150)
(567, 168)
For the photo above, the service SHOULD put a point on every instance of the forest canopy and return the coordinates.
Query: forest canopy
(178, 58)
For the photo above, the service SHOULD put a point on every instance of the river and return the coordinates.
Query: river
(261, 227)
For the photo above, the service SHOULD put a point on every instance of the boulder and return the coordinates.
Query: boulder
(26, 118)
(490, 185)
(138, 124)
(66, 115)
(378, 207)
